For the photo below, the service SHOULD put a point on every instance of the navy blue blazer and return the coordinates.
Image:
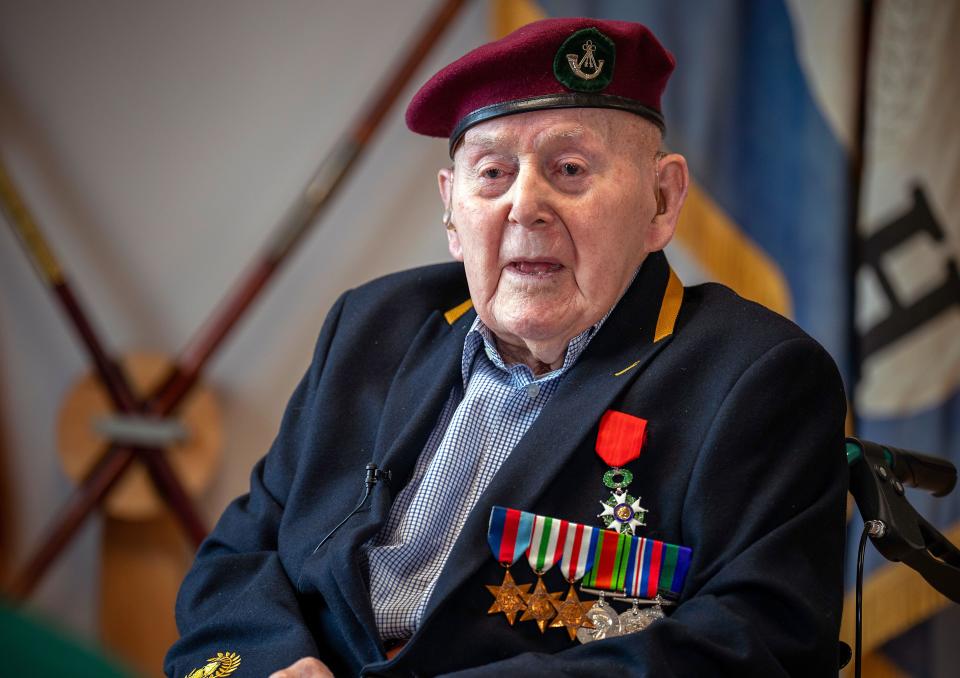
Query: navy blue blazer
(743, 463)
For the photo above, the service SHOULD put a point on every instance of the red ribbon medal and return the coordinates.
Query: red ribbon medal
(619, 442)
(621, 437)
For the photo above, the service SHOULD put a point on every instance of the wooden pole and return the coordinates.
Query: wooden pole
(51, 273)
(81, 503)
(90, 493)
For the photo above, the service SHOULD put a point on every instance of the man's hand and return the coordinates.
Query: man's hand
(308, 667)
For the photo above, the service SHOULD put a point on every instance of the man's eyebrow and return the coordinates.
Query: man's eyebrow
(481, 141)
(484, 140)
(554, 136)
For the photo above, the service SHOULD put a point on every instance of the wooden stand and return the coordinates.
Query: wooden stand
(141, 569)
(144, 556)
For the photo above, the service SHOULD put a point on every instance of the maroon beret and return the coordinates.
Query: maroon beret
(553, 63)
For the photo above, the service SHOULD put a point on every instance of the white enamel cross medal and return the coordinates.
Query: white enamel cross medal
(621, 511)
(620, 441)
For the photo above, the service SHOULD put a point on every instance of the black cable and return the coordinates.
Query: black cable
(366, 495)
(374, 475)
(859, 625)
(871, 528)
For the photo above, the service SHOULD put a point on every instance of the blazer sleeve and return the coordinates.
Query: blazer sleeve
(237, 596)
(765, 515)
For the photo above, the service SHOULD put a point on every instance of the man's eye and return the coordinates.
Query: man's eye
(492, 173)
(571, 169)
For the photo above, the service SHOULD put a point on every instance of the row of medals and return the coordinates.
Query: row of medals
(586, 621)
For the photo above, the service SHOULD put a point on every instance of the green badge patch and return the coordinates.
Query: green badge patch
(585, 61)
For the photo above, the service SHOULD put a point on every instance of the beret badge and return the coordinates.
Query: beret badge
(585, 61)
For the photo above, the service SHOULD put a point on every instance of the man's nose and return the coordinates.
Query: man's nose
(530, 199)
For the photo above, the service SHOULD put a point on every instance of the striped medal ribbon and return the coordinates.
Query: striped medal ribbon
(545, 551)
(508, 535)
(610, 555)
(655, 568)
(578, 547)
(547, 542)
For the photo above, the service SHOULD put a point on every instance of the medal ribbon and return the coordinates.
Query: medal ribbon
(674, 573)
(546, 546)
(656, 567)
(621, 437)
(578, 548)
(609, 561)
(509, 534)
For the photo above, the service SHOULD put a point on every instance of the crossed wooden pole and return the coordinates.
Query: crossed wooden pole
(164, 400)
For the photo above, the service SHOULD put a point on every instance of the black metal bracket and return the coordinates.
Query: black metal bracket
(906, 536)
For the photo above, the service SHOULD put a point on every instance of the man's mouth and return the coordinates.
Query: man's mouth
(535, 268)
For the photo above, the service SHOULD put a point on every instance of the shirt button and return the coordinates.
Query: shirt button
(533, 389)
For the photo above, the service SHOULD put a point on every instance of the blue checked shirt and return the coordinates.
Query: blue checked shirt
(473, 436)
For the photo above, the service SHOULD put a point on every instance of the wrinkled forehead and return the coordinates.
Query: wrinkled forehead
(596, 128)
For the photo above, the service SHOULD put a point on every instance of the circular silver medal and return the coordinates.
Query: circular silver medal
(606, 623)
(635, 619)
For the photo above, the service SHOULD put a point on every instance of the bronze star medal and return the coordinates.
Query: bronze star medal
(571, 613)
(509, 598)
(540, 605)
(508, 536)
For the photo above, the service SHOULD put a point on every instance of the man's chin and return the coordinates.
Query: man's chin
(534, 328)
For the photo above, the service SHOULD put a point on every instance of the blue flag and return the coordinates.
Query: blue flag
(763, 105)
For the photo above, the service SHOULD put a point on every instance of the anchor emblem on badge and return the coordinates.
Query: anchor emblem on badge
(577, 64)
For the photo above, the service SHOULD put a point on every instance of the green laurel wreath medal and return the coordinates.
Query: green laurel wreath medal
(620, 441)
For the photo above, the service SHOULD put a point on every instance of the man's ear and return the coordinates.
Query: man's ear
(445, 183)
(672, 192)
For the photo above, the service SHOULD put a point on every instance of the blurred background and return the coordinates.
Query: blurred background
(156, 148)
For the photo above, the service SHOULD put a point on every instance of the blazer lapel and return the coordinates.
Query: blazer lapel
(648, 310)
(430, 369)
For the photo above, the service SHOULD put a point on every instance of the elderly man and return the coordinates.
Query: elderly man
(558, 366)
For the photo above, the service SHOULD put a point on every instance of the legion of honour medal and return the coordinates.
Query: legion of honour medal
(619, 442)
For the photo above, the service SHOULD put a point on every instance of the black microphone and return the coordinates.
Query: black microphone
(934, 474)
(375, 475)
